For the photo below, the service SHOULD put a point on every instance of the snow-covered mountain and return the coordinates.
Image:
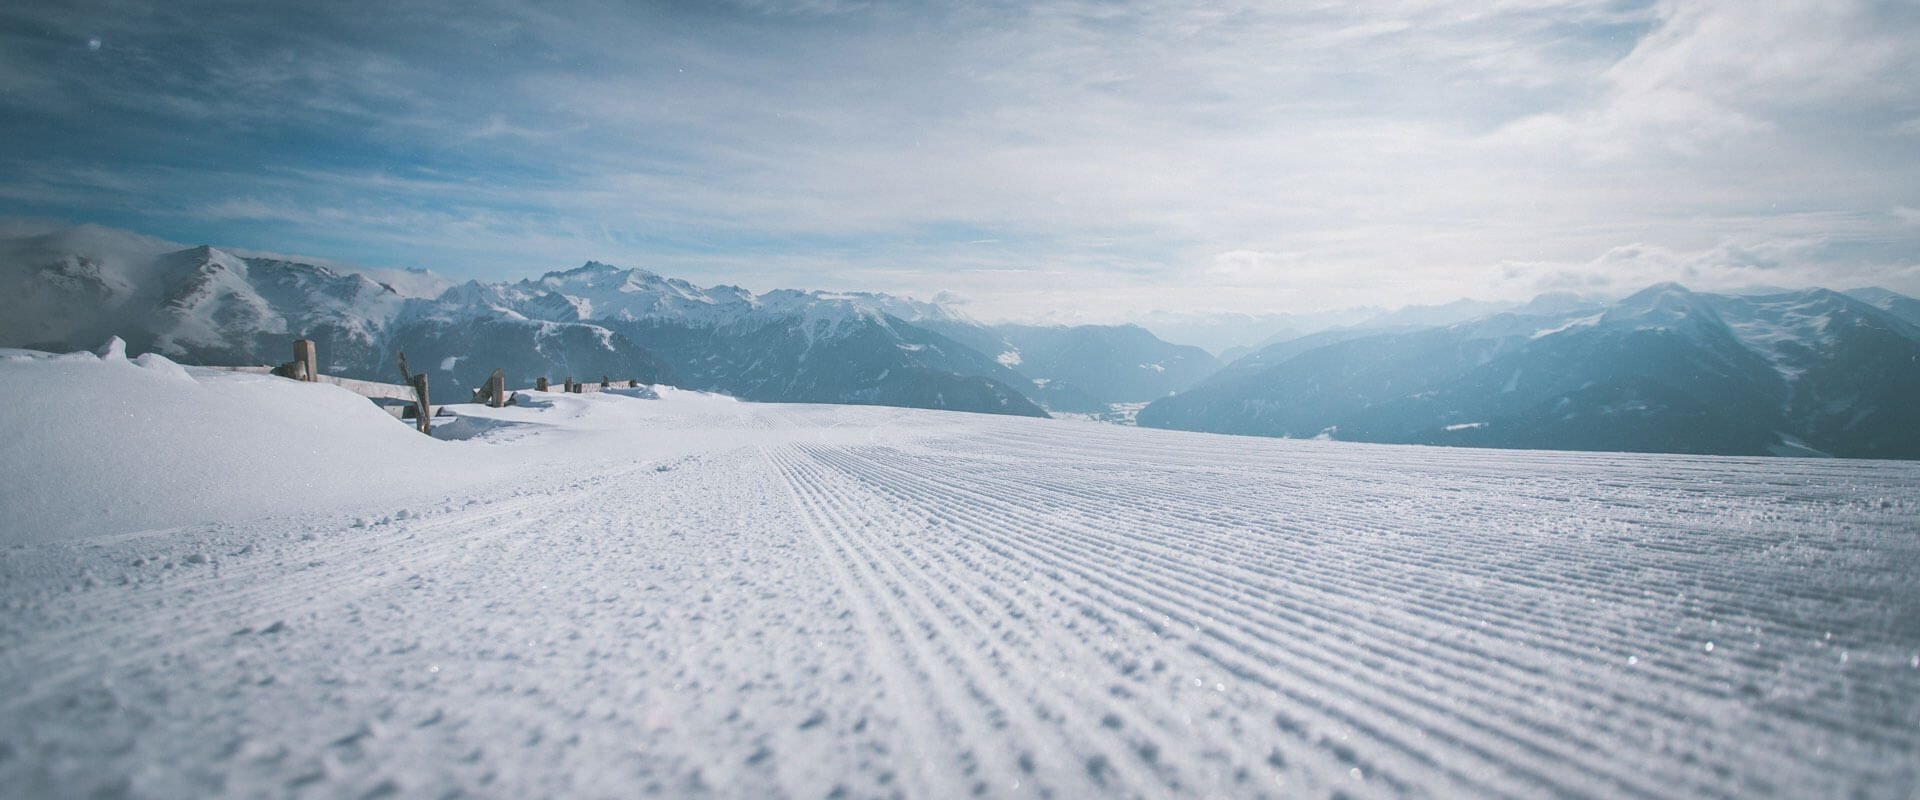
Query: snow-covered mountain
(1889, 301)
(1664, 370)
(606, 293)
(787, 345)
(203, 305)
(71, 289)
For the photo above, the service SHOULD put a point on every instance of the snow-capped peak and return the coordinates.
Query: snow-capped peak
(1662, 306)
(600, 291)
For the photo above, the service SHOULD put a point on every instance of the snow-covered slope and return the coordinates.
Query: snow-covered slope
(1892, 302)
(76, 286)
(104, 444)
(602, 291)
(696, 597)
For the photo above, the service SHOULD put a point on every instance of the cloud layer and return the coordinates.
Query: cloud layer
(1063, 160)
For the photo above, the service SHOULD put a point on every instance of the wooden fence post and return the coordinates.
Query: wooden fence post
(540, 384)
(425, 408)
(307, 359)
(497, 390)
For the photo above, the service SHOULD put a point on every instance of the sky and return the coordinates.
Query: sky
(1041, 161)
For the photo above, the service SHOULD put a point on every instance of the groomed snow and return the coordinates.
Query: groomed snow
(614, 596)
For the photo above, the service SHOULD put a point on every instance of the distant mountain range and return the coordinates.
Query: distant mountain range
(1811, 372)
(71, 289)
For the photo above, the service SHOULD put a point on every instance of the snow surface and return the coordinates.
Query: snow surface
(1116, 414)
(1577, 322)
(100, 444)
(608, 595)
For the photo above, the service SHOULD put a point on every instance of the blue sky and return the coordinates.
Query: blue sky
(1067, 160)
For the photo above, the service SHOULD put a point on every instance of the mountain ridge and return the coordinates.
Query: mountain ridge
(203, 304)
(1665, 369)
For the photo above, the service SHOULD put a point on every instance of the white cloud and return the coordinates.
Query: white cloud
(1251, 267)
(1729, 266)
(1716, 70)
(1152, 154)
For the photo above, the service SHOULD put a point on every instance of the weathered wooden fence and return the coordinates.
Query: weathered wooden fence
(411, 400)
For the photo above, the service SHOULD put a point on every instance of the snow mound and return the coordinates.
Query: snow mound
(101, 444)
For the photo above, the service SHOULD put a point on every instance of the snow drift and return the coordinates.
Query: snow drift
(102, 444)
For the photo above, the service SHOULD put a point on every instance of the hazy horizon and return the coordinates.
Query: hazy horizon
(1215, 331)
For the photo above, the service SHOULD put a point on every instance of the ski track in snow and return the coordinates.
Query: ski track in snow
(880, 602)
